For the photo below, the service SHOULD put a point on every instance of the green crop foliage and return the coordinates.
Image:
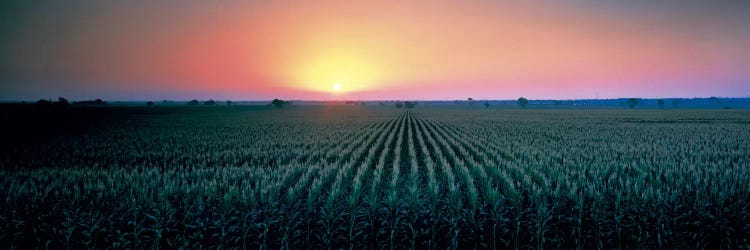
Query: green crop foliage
(353, 177)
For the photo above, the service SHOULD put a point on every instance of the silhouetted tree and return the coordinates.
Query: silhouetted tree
(43, 103)
(714, 100)
(193, 102)
(410, 105)
(150, 104)
(279, 103)
(632, 102)
(675, 102)
(660, 102)
(62, 102)
(486, 104)
(382, 104)
(523, 102)
(210, 102)
(229, 103)
(471, 100)
(399, 105)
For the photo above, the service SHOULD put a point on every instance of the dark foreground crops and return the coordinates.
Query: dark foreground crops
(366, 177)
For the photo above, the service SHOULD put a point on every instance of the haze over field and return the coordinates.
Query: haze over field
(322, 50)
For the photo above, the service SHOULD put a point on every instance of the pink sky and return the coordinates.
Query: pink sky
(374, 50)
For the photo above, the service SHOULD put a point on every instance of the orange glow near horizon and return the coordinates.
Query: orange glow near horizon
(389, 50)
(334, 68)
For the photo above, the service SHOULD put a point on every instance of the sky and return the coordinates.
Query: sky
(373, 50)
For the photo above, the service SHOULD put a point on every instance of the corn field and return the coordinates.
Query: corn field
(375, 178)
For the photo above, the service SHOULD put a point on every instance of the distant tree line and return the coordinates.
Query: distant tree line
(280, 103)
(64, 103)
(210, 102)
(61, 103)
(406, 104)
(91, 102)
(523, 102)
(631, 103)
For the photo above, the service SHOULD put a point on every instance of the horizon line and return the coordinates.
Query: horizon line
(366, 100)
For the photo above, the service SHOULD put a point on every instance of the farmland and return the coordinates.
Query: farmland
(377, 177)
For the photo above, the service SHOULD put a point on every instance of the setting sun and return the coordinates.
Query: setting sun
(322, 65)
